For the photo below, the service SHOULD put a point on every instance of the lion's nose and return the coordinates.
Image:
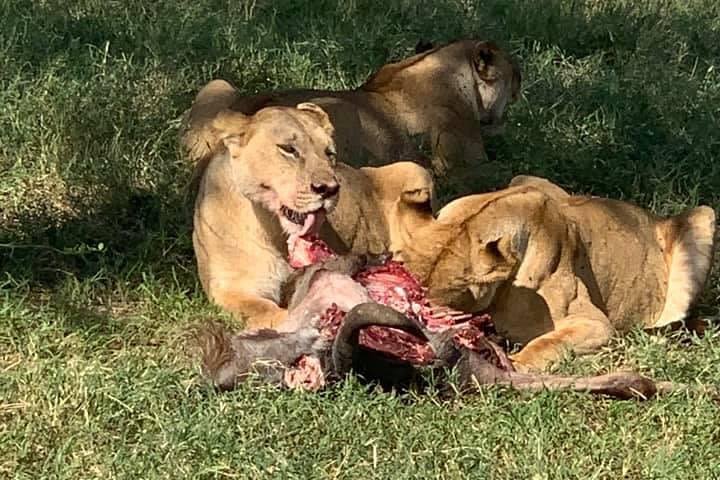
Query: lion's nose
(326, 189)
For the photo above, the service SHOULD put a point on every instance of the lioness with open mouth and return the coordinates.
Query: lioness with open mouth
(274, 178)
(269, 187)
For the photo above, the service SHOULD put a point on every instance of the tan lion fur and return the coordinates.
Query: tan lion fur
(450, 96)
(238, 234)
(557, 271)
(239, 238)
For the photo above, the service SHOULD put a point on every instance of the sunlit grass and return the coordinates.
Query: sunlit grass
(97, 277)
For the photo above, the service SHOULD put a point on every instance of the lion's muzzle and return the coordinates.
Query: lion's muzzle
(326, 189)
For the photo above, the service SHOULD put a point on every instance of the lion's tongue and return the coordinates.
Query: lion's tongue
(304, 248)
(312, 221)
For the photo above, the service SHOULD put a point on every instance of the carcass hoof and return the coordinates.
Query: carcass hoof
(625, 385)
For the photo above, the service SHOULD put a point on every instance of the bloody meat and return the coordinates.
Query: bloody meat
(391, 284)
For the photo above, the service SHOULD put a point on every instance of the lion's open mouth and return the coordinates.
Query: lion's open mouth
(295, 217)
(302, 229)
(300, 224)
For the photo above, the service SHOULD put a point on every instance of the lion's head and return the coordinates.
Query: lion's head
(282, 159)
(478, 78)
(475, 245)
(499, 83)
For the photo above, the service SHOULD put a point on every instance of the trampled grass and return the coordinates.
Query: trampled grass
(621, 98)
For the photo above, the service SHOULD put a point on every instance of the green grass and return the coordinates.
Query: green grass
(97, 278)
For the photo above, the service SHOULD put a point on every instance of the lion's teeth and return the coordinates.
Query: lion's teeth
(292, 215)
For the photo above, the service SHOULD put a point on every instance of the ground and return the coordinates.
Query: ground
(98, 285)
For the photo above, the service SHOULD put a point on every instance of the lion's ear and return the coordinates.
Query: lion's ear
(419, 198)
(230, 127)
(499, 248)
(509, 247)
(485, 59)
(418, 189)
(318, 113)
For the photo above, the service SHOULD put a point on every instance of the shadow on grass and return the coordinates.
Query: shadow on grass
(620, 100)
(117, 242)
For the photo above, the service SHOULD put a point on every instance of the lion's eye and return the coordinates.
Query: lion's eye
(288, 149)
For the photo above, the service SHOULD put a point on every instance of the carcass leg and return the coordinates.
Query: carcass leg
(477, 371)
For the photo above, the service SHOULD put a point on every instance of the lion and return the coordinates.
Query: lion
(272, 182)
(450, 96)
(560, 272)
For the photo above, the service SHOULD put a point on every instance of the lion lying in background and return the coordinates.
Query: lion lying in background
(559, 272)
(270, 184)
(450, 95)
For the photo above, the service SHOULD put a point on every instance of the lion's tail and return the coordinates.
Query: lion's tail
(688, 241)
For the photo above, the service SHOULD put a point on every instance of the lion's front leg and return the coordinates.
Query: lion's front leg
(456, 150)
(461, 164)
(257, 312)
(579, 333)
